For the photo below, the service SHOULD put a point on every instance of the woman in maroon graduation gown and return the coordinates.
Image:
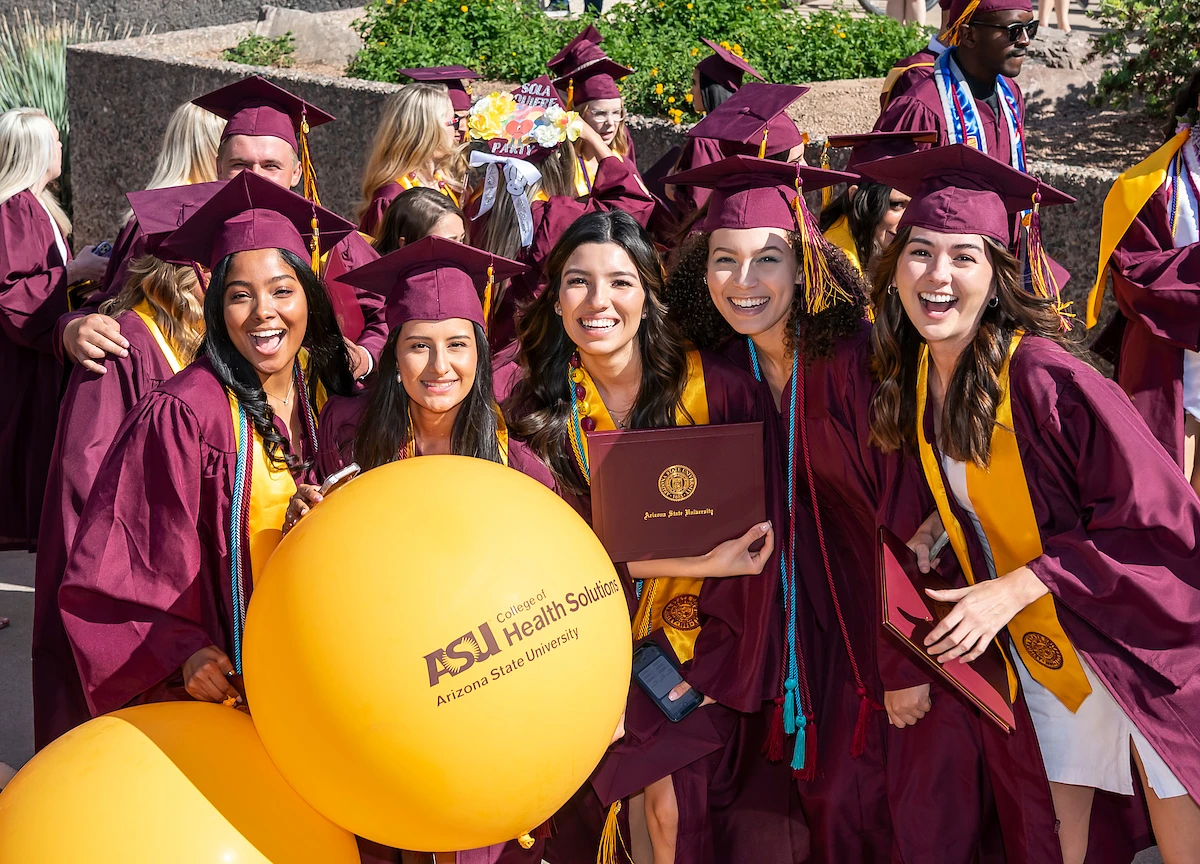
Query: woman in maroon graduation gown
(1150, 244)
(189, 501)
(35, 269)
(527, 198)
(160, 312)
(1075, 531)
(760, 283)
(597, 352)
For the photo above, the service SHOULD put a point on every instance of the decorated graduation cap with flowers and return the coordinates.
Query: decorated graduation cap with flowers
(519, 129)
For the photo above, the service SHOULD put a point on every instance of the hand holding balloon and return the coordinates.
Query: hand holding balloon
(204, 676)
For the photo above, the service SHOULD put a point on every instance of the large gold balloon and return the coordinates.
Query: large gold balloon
(184, 782)
(437, 656)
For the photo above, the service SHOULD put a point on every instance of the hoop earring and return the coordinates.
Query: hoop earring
(994, 302)
(891, 290)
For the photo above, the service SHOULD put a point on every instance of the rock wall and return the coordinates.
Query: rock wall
(173, 16)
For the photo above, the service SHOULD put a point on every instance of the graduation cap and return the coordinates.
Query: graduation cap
(256, 107)
(454, 77)
(959, 190)
(594, 80)
(526, 124)
(433, 279)
(754, 120)
(961, 12)
(725, 67)
(762, 193)
(582, 49)
(249, 212)
(160, 211)
(870, 146)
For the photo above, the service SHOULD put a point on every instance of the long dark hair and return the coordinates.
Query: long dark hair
(540, 405)
(815, 336)
(714, 94)
(329, 361)
(385, 428)
(973, 392)
(411, 216)
(863, 211)
(1185, 106)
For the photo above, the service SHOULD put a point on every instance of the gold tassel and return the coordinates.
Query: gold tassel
(954, 31)
(762, 146)
(826, 192)
(570, 94)
(316, 246)
(1041, 277)
(610, 837)
(306, 164)
(487, 297)
(820, 288)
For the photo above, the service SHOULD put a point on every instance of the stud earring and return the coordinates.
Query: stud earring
(557, 310)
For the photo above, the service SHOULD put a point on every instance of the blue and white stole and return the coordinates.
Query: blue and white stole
(1183, 192)
(962, 117)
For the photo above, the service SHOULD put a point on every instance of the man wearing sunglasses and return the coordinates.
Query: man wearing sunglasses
(970, 96)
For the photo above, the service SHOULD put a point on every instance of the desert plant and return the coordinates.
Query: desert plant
(262, 51)
(1156, 47)
(33, 68)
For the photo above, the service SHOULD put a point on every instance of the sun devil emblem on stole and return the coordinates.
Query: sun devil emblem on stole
(682, 612)
(1043, 650)
(677, 483)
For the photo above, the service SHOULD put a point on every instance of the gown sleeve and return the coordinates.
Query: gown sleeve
(134, 597)
(33, 285)
(1156, 283)
(1120, 524)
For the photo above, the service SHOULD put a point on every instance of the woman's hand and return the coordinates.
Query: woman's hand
(204, 676)
(306, 498)
(594, 143)
(360, 360)
(905, 707)
(87, 266)
(980, 612)
(90, 338)
(680, 689)
(619, 733)
(731, 558)
(925, 539)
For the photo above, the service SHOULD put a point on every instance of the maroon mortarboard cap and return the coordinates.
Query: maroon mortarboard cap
(578, 51)
(454, 77)
(595, 80)
(433, 279)
(959, 190)
(250, 212)
(160, 211)
(755, 193)
(961, 12)
(869, 146)
(725, 68)
(255, 106)
(755, 114)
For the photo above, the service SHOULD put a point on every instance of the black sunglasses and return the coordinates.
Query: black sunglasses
(1030, 29)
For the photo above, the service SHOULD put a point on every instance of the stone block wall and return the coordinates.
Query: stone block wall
(173, 16)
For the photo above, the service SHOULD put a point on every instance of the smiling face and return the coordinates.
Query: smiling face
(752, 275)
(944, 282)
(885, 231)
(990, 49)
(266, 311)
(265, 155)
(601, 299)
(605, 116)
(437, 362)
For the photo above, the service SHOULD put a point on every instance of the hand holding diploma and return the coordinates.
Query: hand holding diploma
(731, 558)
(980, 612)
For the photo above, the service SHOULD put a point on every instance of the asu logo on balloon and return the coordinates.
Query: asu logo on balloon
(461, 654)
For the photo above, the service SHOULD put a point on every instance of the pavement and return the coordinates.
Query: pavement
(16, 697)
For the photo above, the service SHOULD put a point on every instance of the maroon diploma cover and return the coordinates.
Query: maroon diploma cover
(910, 614)
(672, 493)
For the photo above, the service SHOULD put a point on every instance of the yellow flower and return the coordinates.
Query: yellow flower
(688, 98)
(671, 100)
(463, 8)
(676, 115)
(841, 35)
(737, 49)
(653, 71)
(658, 89)
(689, 5)
(726, 45)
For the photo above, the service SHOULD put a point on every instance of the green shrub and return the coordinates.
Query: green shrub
(1157, 46)
(510, 40)
(33, 69)
(261, 51)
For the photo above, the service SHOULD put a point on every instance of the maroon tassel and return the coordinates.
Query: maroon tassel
(865, 706)
(773, 746)
(543, 831)
(809, 771)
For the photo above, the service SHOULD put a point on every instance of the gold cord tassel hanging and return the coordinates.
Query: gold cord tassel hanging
(315, 244)
(954, 31)
(570, 94)
(610, 837)
(821, 290)
(487, 297)
(762, 145)
(826, 192)
(306, 164)
(1041, 277)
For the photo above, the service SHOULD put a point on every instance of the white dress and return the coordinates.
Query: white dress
(1091, 746)
(1187, 232)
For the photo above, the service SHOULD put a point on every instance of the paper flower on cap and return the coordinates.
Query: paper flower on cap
(499, 116)
(490, 114)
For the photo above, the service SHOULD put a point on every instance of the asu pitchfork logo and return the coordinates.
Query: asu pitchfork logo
(461, 654)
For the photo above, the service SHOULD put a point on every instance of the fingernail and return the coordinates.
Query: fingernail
(764, 527)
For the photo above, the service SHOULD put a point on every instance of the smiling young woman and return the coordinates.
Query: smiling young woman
(598, 352)
(1076, 533)
(213, 453)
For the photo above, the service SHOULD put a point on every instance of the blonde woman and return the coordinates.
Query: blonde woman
(416, 144)
(160, 312)
(188, 156)
(35, 269)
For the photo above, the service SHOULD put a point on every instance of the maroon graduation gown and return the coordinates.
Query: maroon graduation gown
(359, 313)
(616, 187)
(92, 411)
(914, 72)
(372, 219)
(148, 579)
(696, 153)
(33, 293)
(1158, 292)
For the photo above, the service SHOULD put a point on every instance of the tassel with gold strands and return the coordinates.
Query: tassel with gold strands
(487, 296)
(827, 191)
(762, 145)
(1039, 273)
(315, 244)
(306, 164)
(954, 31)
(570, 94)
(820, 288)
(610, 837)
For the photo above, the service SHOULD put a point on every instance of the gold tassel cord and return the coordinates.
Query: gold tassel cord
(954, 31)
(306, 164)
(611, 838)
(827, 191)
(487, 297)
(762, 146)
(820, 288)
(315, 243)
(571, 94)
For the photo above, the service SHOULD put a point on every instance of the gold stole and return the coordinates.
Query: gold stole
(146, 313)
(1124, 201)
(411, 181)
(839, 235)
(1000, 496)
(672, 604)
(410, 449)
(894, 75)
